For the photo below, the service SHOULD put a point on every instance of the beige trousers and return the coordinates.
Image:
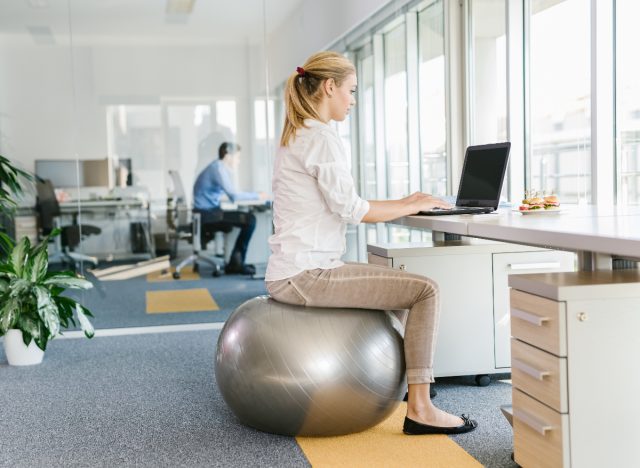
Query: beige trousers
(364, 286)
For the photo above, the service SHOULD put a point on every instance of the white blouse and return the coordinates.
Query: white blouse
(314, 199)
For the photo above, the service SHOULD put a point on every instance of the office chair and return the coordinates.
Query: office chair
(194, 230)
(49, 213)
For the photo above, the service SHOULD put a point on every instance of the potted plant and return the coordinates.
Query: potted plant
(32, 307)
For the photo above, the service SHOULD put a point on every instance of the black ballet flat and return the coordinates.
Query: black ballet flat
(412, 427)
(246, 269)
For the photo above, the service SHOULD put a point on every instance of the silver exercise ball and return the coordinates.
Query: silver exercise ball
(310, 371)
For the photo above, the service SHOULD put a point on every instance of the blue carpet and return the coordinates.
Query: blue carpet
(145, 400)
(117, 304)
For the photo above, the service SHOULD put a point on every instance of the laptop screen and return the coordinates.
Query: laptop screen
(483, 175)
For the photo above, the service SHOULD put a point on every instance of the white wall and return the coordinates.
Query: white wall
(45, 114)
(312, 27)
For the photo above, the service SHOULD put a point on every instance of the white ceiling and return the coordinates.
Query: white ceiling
(141, 21)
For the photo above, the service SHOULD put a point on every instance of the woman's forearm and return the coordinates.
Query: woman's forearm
(386, 210)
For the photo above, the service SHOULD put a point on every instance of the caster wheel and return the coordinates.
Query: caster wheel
(216, 273)
(176, 275)
(483, 380)
(196, 268)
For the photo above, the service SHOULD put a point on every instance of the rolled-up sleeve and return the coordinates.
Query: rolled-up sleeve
(327, 162)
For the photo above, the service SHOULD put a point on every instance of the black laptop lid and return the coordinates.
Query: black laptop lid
(483, 175)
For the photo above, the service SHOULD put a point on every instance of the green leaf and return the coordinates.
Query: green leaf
(7, 270)
(8, 314)
(26, 338)
(29, 325)
(86, 326)
(19, 288)
(4, 286)
(47, 310)
(6, 244)
(38, 264)
(68, 282)
(19, 255)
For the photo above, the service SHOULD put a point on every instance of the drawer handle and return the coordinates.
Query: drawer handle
(533, 266)
(529, 370)
(528, 317)
(534, 423)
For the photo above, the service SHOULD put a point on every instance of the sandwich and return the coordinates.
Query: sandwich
(533, 203)
(551, 203)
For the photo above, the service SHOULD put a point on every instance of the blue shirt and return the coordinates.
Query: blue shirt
(212, 182)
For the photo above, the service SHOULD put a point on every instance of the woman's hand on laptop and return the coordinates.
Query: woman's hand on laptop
(425, 202)
(381, 211)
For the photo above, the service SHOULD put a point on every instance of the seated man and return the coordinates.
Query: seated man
(213, 181)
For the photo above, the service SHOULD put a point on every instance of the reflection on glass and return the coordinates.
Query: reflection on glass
(433, 119)
(395, 111)
(125, 100)
(366, 127)
(560, 99)
(628, 101)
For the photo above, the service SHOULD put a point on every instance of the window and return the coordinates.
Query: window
(366, 127)
(628, 101)
(488, 70)
(260, 121)
(136, 133)
(560, 99)
(395, 111)
(433, 119)
(226, 115)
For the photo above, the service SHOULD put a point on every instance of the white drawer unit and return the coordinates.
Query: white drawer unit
(575, 381)
(472, 276)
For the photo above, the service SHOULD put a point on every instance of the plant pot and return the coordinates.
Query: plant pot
(18, 354)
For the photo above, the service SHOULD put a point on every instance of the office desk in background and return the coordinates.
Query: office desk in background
(115, 217)
(258, 252)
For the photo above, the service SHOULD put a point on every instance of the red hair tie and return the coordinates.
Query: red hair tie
(300, 71)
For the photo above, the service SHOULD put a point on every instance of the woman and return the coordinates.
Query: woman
(314, 200)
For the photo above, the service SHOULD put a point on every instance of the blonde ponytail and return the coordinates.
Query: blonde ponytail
(303, 89)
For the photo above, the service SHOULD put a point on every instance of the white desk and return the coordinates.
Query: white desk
(113, 217)
(572, 333)
(595, 233)
(258, 251)
(228, 205)
(88, 205)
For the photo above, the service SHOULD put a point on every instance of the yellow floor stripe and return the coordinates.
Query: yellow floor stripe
(386, 445)
(184, 300)
(187, 274)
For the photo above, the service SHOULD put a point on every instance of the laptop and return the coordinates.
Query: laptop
(481, 181)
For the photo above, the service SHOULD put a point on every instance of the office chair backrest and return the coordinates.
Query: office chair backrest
(46, 205)
(178, 189)
(179, 211)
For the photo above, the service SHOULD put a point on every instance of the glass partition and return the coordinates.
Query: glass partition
(121, 105)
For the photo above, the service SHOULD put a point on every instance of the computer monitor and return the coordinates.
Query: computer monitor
(66, 173)
(61, 172)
